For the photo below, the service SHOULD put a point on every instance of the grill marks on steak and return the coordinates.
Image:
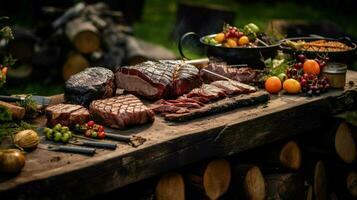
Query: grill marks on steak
(121, 111)
(66, 114)
(156, 80)
(199, 97)
(242, 74)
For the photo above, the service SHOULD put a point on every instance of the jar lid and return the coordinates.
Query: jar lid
(335, 68)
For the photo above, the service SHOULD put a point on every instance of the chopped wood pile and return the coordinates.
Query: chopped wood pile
(82, 36)
(305, 167)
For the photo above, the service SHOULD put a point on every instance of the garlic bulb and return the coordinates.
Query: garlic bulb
(11, 160)
(27, 139)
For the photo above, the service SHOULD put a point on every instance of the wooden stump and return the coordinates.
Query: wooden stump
(320, 181)
(74, 64)
(248, 184)
(290, 155)
(334, 142)
(309, 193)
(211, 180)
(84, 35)
(171, 186)
(344, 143)
(351, 183)
(285, 186)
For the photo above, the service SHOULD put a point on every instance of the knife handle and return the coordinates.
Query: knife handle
(81, 150)
(118, 137)
(9, 98)
(100, 144)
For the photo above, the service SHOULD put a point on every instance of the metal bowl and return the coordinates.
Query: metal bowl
(347, 57)
(253, 56)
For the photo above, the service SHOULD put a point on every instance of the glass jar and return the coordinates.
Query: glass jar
(336, 74)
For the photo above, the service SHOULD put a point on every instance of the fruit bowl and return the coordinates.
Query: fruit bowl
(252, 56)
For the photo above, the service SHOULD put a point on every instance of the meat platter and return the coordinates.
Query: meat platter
(174, 90)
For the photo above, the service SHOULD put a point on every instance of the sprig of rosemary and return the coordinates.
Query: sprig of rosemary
(29, 105)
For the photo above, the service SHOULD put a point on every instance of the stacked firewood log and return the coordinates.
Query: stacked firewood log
(82, 36)
(318, 165)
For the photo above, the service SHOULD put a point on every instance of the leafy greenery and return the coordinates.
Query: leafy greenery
(5, 114)
(29, 105)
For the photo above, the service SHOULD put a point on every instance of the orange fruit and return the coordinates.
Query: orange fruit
(292, 86)
(311, 67)
(219, 37)
(273, 84)
(244, 40)
(231, 43)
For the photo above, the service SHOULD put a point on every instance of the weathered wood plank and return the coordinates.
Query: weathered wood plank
(171, 146)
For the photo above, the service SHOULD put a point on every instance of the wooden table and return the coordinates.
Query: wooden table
(170, 146)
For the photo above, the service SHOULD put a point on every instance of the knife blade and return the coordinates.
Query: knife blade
(68, 149)
(104, 145)
(40, 100)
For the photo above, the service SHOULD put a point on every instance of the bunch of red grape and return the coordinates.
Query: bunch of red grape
(310, 84)
(232, 32)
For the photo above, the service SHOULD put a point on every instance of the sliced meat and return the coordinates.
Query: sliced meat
(233, 87)
(207, 91)
(155, 80)
(91, 84)
(121, 111)
(242, 74)
(165, 108)
(66, 114)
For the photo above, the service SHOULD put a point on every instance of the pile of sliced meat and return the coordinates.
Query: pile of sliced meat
(156, 80)
(242, 74)
(198, 97)
(120, 111)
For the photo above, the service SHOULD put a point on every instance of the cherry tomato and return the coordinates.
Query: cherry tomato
(91, 123)
(100, 128)
(101, 135)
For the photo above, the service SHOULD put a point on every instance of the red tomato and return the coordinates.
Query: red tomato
(101, 135)
(91, 123)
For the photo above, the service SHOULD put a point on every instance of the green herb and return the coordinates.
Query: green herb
(29, 105)
(5, 114)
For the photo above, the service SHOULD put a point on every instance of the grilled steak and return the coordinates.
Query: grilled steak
(88, 85)
(121, 111)
(243, 74)
(66, 114)
(156, 80)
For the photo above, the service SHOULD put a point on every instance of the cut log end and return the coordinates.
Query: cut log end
(74, 64)
(344, 143)
(290, 155)
(254, 184)
(320, 181)
(285, 186)
(170, 187)
(216, 178)
(309, 193)
(352, 183)
(87, 42)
